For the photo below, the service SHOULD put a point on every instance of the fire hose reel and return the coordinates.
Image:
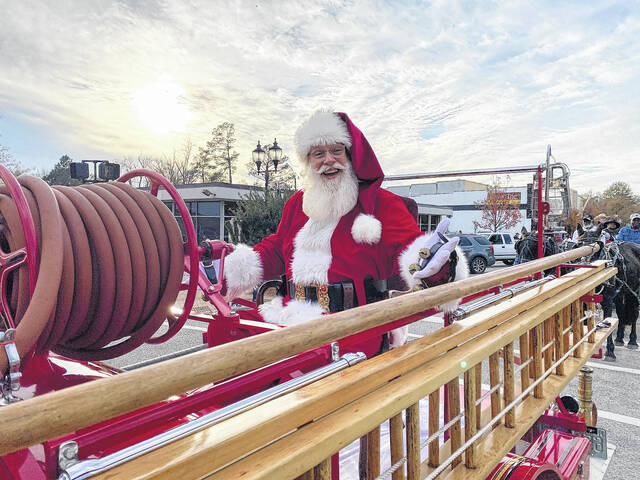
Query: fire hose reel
(102, 281)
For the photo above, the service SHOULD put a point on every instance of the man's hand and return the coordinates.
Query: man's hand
(436, 260)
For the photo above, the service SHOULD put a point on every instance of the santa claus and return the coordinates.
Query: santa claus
(342, 236)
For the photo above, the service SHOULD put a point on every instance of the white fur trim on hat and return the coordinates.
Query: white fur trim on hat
(243, 270)
(366, 229)
(322, 128)
(294, 312)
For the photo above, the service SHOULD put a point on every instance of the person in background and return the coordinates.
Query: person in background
(600, 218)
(586, 225)
(631, 233)
(517, 245)
(610, 229)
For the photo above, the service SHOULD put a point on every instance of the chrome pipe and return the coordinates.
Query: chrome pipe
(464, 311)
(457, 173)
(89, 468)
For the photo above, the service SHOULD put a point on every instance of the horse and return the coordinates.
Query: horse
(623, 289)
(527, 249)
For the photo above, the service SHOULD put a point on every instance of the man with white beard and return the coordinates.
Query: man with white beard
(342, 236)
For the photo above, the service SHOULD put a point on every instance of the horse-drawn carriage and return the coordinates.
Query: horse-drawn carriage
(266, 401)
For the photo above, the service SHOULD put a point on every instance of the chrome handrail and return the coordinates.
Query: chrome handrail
(467, 309)
(73, 469)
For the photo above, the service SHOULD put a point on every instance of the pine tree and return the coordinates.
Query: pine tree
(219, 158)
(60, 173)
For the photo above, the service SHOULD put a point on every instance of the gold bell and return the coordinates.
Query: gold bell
(418, 287)
(413, 268)
(425, 253)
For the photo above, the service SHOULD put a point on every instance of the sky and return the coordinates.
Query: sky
(438, 85)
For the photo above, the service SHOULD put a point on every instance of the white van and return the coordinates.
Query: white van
(503, 246)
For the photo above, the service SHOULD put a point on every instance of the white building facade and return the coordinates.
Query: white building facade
(463, 198)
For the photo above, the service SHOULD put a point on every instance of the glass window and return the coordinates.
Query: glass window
(496, 239)
(507, 239)
(435, 220)
(481, 240)
(229, 215)
(208, 227)
(209, 209)
(465, 242)
(423, 222)
(169, 205)
(182, 229)
(230, 209)
(191, 207)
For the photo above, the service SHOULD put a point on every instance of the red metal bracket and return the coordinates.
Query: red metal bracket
(591, 298)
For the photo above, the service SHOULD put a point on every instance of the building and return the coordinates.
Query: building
(210, 206)
(462, 198)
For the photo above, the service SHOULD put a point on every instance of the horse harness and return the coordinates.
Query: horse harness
(614, 259)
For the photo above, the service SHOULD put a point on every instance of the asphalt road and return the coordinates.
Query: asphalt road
(615, 389)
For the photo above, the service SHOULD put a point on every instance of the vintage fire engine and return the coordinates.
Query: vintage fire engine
(90, 273)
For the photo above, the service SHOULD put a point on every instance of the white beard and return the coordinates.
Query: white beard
(329, 199)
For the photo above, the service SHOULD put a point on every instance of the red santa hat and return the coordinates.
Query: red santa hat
(326, 128)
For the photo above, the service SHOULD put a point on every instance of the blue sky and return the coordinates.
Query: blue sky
(440, 85)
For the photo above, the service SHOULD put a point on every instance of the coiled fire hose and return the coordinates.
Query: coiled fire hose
(110, 266)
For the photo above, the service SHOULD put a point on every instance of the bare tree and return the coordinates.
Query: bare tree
(141, 161)
(11, 163)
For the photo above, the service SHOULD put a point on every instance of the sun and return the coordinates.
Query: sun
(160, 107)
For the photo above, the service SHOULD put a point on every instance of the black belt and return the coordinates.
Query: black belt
(335, 297)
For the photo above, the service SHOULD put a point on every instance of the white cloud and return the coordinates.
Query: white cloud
(496, 83)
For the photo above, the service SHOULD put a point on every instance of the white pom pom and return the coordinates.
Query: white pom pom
(366, 229)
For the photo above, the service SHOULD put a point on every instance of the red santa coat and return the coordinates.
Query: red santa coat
(350, 259)
(342, 250)
(377, 238)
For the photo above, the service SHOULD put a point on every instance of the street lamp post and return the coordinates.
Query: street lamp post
(267, 160)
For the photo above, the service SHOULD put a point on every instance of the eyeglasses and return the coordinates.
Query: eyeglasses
(336, 151)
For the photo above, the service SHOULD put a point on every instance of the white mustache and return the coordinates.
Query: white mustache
(324, 168)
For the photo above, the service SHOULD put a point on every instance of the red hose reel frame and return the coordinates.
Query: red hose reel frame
(28, 254)
(191, 255)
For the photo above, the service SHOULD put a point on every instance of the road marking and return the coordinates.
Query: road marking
(614, 368)
(189, 327)
(437, 320)
(616, 417)
(414, 336)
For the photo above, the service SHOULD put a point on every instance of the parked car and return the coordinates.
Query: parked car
(503, 246)
(478, 250)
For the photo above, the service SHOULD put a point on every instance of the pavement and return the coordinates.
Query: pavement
(615, 391)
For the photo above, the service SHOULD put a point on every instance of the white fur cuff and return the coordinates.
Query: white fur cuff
(294, 312)
(242, 270)
(462, 272)
(399, 336)
(366, 229)
(410, 256)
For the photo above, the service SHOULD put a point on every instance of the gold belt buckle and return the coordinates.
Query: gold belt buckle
(322, 293)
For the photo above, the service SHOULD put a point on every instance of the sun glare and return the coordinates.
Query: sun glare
(159, 106)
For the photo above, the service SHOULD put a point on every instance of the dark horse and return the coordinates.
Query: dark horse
(623, 289)
(527, 248)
